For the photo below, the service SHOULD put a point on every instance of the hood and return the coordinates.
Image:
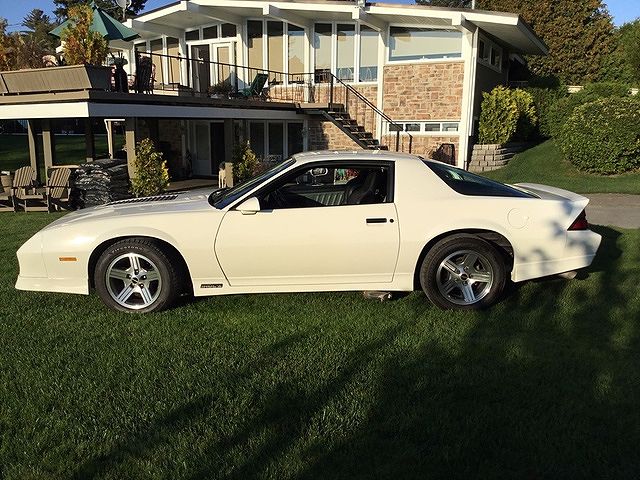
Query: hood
(173, 202)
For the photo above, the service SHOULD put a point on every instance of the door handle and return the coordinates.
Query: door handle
(376, 220)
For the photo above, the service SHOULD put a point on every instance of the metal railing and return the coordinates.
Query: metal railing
(205, 78)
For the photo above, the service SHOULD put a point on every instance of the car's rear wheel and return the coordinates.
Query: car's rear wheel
(463, 272)
(136, 275)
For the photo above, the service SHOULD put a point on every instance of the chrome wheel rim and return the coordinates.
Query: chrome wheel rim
(133, 281)
(465, 277)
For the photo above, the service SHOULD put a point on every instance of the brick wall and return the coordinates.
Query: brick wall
(424, 145)
(426, 91)
(324, 135)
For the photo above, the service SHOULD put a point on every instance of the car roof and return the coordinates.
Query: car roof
(331, 155)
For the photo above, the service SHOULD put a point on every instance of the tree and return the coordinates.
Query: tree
(62, 7)
(629, 43)
(81, 44)
(579, 34)
(446, 3)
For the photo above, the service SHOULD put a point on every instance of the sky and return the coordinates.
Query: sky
(15, 10)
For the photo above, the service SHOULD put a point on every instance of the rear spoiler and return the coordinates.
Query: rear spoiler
(552, 193)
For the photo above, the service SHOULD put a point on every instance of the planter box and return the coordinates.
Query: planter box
(55, 79)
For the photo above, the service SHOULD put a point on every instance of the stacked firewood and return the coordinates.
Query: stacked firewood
(100, 182)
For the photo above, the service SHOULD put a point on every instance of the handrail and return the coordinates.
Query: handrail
(399, 128)
(280, 86)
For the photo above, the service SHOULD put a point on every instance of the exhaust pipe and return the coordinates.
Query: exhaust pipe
(568, 275)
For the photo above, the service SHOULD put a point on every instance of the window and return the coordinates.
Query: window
(368, 54)
(192, 35)
(156, 57)
(223, 198)
(275, 46)
(254, 39)
(296, 49)
(345, 38)
(467, 183)
(330, 185)
(322, 48)
(173, 50)
(429, 127)
(228, 30)
(338, 53)
(489, 54)
(268, 139)
(411, 44)
(210, 32)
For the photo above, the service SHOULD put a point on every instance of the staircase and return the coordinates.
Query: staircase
(352, 129)
(356, 116)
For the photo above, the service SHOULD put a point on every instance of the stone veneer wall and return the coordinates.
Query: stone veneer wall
(423, 91)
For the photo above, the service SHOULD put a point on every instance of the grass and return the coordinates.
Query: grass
(70, 150)
(544, 164)
(327, 386)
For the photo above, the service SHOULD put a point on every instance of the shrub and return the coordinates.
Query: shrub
(564, 107)
(81, 44)
(544, 100)
(603, 137)
(245, 163)
(506, 115)
(151, 174)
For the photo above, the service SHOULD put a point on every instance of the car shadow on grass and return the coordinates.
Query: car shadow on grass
(543, 385)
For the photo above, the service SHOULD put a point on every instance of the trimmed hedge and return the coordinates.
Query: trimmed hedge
(544, 100)
(506, 115)
(603, 136)
(564, 107)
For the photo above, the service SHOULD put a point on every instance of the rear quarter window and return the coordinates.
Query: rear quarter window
(466, 183)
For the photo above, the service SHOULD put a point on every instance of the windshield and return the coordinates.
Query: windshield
(222, 198)
(467, 183)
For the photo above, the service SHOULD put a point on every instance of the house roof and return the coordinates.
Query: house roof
(507, 28)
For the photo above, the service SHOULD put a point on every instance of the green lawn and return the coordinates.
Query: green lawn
(70, 150)
(544, 164)
(326, 386)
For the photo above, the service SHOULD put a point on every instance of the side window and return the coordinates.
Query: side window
(330, 185)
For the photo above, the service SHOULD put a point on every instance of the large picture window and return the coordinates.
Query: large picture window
(411, 44)
(273, 141)
(337, 50)
(275, 46)
(255, 43)
(296, 49)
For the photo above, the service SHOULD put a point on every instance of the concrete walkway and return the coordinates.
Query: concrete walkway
(615, 209)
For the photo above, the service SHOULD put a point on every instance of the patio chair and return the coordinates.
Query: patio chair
(144, 78)
(256, 88)
(6, 194)
(58, 189)
(24, 190)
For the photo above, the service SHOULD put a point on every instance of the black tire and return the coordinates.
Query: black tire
(468, 287)
(161, 293)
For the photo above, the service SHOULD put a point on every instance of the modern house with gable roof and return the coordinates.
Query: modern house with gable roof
(299, 75)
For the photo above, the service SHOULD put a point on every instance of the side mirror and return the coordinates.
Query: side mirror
(250, 206)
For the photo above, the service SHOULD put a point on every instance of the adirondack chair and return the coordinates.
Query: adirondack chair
(58, 188)
(24, 190)
(145, 73)
(256, 88)
(6, 194)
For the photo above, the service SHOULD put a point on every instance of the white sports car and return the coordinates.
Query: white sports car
(320, 221)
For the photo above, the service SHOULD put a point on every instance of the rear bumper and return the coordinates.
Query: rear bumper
(580, 250)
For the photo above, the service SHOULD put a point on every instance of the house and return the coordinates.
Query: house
(336, 75)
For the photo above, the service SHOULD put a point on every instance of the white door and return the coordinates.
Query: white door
(307, 233)
(310, 246)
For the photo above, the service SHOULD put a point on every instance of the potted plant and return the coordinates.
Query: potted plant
(220, 90)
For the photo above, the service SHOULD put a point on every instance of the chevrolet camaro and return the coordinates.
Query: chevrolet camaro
(319, 221)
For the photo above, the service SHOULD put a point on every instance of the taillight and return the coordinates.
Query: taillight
(580, 223)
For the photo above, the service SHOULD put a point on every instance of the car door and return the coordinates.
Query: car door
(311, 243)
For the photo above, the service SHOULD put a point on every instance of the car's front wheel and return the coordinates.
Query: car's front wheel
(463, 272)
(136, 275)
